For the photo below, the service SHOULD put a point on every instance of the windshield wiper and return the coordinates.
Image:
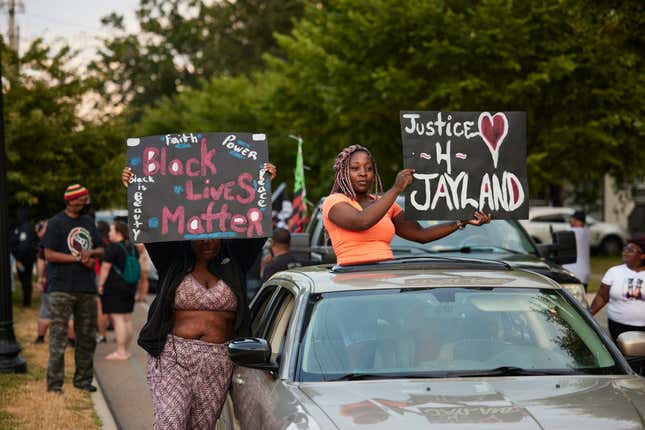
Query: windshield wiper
(467, 249)
(371, 376)
(510, 371)
(492, 248)
(498, 371)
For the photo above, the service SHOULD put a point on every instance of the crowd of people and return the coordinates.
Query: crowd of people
(202, 300)
(69, 252)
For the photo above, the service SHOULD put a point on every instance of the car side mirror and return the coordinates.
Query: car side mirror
(632, 343)
(252, 352)
(563, 248)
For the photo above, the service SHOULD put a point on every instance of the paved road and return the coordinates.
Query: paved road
(124, 382)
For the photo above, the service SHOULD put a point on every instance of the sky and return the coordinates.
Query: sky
(76, 21)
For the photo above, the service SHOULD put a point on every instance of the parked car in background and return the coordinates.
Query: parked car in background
(500, 240)
(109, 215)
(428, 342)
(606, 238)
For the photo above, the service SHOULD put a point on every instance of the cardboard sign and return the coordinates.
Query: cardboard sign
(464, 162)
(197, 186)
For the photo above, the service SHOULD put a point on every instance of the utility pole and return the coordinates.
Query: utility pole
(13, 32)
(10, 360)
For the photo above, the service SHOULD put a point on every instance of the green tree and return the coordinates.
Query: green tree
(238, 103)
(48, 144)
(183, 41)
(353, 65)
(349, 66)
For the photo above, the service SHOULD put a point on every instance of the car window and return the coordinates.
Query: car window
(278, 321)
(442, 330)
(551, 218)
(259, 306)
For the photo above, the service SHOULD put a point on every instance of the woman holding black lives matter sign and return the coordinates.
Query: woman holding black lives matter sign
(201, 305)
(361, 220)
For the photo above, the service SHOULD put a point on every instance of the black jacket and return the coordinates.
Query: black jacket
(173, 261)
(23, 243)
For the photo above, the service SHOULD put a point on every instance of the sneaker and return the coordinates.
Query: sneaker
(55, 390)
(40, 339)
(101, 339)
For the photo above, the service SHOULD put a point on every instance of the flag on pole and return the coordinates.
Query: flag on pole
(299, 216)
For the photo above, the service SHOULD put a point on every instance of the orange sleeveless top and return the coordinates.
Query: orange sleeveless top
(355, 247)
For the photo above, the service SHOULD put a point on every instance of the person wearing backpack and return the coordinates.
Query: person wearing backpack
(118, 279)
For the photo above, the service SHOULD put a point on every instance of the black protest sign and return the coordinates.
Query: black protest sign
(464, 162)
(197, 186)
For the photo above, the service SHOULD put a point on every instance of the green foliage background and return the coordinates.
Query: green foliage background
(338, 72)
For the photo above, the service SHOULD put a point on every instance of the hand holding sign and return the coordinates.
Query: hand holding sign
(403, 179)
(126, 176)
(271, 170)
(479, 219)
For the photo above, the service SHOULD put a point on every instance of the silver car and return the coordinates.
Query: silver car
(606, 237)
(428, 343)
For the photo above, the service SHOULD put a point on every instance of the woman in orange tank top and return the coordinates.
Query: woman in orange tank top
(361, 219)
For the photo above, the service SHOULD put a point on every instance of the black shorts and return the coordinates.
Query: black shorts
(117, 304)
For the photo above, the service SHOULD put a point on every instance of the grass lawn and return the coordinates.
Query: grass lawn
(24, 401)
(599, 265)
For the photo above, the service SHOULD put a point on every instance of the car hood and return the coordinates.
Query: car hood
(545, 402)
(523, 261)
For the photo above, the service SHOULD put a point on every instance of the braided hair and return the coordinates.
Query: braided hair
(342, 181)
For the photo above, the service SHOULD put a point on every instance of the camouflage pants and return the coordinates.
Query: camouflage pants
(83, 307)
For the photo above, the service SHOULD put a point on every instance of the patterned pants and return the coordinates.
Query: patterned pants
(188, 383)
(83, 307)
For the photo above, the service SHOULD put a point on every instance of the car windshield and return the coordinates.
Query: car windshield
(499, 236)
(448, 332)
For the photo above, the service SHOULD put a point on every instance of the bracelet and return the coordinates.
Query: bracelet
(460, 225)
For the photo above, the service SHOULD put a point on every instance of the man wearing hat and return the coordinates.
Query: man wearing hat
(71, 243)
(582, 267)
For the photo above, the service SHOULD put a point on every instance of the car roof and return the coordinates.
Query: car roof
(419, 273)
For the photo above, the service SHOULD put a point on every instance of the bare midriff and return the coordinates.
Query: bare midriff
(207, 326)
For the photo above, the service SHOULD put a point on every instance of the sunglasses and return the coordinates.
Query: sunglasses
(631, 250)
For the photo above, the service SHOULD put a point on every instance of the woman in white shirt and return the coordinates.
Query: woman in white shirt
(623, 287)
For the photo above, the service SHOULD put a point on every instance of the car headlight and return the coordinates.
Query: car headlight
(578, 292)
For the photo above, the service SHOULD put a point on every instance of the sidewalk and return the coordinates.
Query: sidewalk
(124, 382)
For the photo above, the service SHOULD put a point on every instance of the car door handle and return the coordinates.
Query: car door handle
(237, 379)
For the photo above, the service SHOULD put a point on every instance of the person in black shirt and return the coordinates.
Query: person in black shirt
(117, 296)
(280, 258)
(24, 249)
(71, 244)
